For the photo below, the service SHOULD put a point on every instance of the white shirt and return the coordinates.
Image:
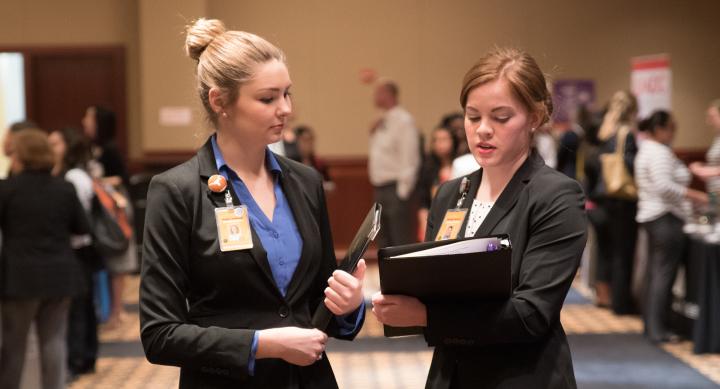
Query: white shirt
(713, 159)
(478, 213)
(662, 181)
(84, 188)
(464, 165)
(547, 147)
(395, 152)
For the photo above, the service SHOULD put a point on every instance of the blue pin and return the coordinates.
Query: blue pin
(492, 247)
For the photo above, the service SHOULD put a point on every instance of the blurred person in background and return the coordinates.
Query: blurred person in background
(436, 170)
(464, 162)
(99, 125)
(393, 164)
(72, 153)
(613, 217)
(662, 181)
(11, 131)
(569, 148)
(305, 140)
(38, 215)
(455, 122)
(546, 145)
(710, 171)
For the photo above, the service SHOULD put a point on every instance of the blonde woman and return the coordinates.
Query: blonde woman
(613, 217)
(238, 314)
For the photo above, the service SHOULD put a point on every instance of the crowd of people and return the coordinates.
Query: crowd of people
(60, 185)
(67, 184)
(632, 179)
(633, 182)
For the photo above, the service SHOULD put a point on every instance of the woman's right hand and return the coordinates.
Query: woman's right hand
(298, 346)
(698, 197)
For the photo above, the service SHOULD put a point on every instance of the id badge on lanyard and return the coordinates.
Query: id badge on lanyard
(454, 218)
(233, 221)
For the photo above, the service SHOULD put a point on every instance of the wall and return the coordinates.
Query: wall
(428, 45)
(425, 45)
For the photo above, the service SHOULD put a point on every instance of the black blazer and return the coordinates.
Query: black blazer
(38, 213)
(200, 307)
(519, 343)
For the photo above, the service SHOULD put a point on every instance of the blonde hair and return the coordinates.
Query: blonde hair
(521, 71)
(225, 59)
(621, 112)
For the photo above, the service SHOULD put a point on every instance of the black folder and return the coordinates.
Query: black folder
(366, 234)
(483, 274)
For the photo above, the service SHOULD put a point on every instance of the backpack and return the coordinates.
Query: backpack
(111, 230)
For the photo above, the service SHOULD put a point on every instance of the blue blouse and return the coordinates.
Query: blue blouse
(280, 236)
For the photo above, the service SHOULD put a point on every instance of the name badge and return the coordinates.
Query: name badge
(233, 226)
(452, 222)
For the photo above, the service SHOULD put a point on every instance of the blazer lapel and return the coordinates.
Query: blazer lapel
(206, 160)
(510, 194)
(303, 219)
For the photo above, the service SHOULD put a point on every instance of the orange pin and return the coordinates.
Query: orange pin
(217, 183)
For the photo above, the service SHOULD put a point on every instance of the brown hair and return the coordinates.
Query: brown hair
(32, 150)
(526, 80)
(225, 59)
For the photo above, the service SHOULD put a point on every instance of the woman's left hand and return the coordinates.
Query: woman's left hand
(344, 293)
(399, 311)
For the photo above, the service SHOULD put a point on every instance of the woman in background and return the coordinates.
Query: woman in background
(662, 181)
(99, 125)
(305, 140)
(710, 171)
(436, 169)
(40, 272)
(614, 217)
(72, 153)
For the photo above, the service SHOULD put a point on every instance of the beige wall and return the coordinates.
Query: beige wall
(166, 74)
(428, 45)
(425, 45)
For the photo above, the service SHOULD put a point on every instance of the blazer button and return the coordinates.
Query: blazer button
(284, 311)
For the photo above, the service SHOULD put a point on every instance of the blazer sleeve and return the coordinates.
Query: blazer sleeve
(328, 266)
(166, 334)
(556, 240)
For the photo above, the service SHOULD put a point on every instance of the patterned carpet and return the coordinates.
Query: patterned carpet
(608, 352)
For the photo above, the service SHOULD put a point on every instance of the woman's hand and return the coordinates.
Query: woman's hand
(399, 311)
(704, 171)
(698, 197)
(298, 346)
(344, 293)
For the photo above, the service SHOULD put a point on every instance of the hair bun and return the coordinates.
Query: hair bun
(200, 34)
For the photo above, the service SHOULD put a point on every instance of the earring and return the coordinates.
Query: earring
(532, 129)
(224, 114)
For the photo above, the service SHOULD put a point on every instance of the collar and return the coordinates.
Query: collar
(270, 159)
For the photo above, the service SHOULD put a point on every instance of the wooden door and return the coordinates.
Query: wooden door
(62, 82)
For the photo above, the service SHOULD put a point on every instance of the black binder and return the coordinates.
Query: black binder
(366, 234)
(482, 274)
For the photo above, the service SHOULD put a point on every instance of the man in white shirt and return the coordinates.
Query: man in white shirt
(393, 164)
